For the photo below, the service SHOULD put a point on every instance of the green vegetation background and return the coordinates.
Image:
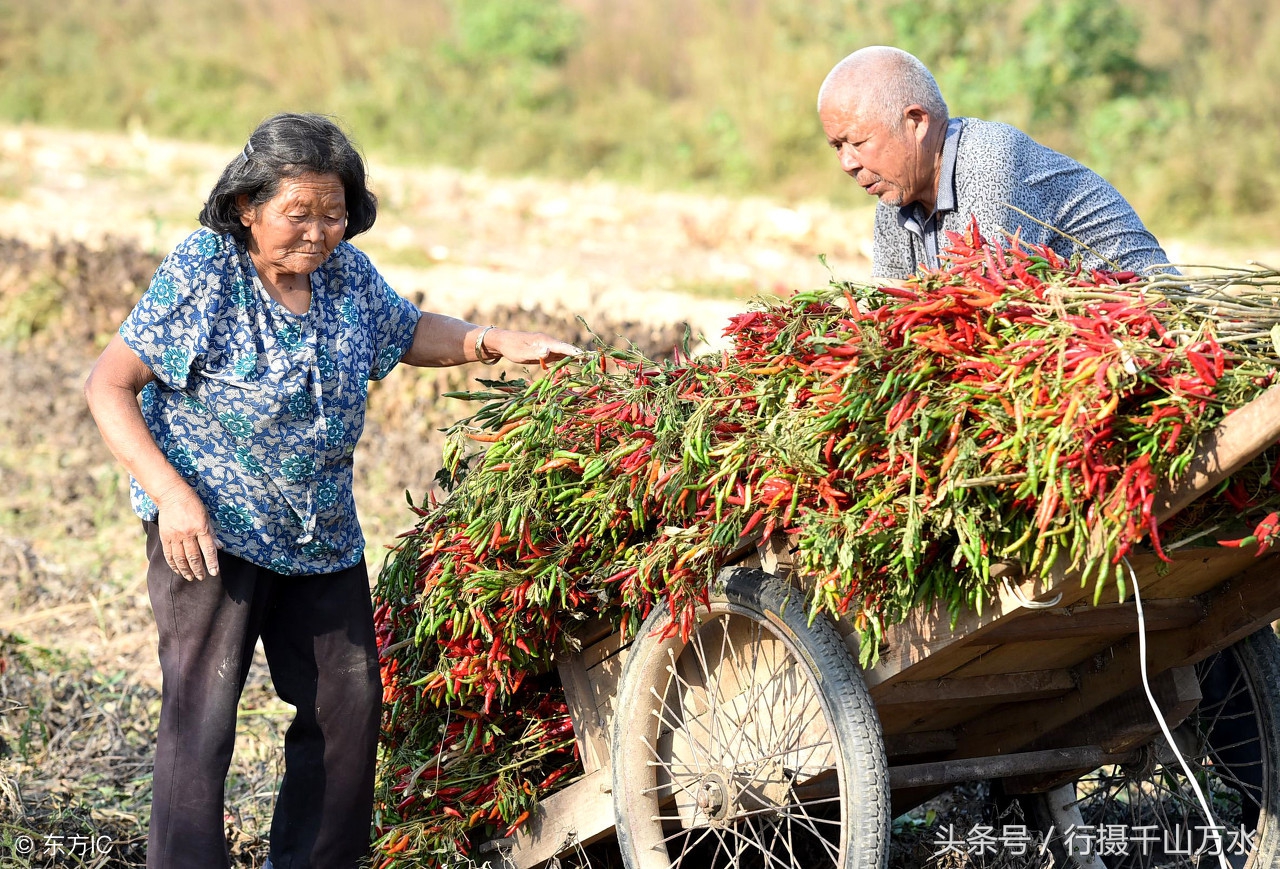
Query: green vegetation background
(1172, 100)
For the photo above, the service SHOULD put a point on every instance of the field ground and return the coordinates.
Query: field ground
(87, 216)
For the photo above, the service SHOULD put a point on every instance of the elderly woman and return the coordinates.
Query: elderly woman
(252, 351)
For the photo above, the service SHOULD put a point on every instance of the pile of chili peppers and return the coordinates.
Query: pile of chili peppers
(1008, 406)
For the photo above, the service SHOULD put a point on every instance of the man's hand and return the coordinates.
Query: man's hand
(186, 534)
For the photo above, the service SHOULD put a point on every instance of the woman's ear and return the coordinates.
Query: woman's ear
(247, 211)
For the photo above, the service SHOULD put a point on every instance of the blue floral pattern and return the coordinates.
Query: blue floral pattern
(242, 294)
(237, 424)
(300, 405)
(326, 494)
(298, 468)
(234, 519)
(246, 365)
(251, 465)
(183, 460)
(261, 408)
(324, 363)
(162, 290)
(334, 429)
(174, 361)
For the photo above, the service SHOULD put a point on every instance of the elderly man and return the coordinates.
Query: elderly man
(883, 113)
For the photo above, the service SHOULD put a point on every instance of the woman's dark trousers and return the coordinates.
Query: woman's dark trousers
(317, 632)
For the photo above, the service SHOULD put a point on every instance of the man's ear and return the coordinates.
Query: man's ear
(916, 120)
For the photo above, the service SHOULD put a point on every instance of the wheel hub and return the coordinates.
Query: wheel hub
(712, 796)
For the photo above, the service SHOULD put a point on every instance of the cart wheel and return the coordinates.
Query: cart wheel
(754, 744)
(1232, 743)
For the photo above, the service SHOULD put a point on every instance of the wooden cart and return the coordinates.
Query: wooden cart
(761, 742)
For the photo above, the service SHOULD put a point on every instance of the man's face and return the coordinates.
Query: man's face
(887, 160)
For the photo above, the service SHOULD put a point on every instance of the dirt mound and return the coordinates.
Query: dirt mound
(67, 292)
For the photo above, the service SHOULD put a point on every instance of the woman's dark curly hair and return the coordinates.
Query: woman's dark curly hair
(286, 146)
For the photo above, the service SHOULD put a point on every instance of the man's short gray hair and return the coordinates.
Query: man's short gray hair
(885, 80)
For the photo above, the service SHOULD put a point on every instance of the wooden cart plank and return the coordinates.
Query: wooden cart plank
(936, 717)
(1246, 432)
(928, 633)
(945, 666)
(603, 648)
(1127, 722)
(1087, 621)
(1191, 572)
(1061, 653)
(577, 815)
(588, 727)
(1234, 610)
(1237, 609)
(981, 690)
(1120, 726)
(918, 744)
(926, 645)
(604, 685)
(944, 772)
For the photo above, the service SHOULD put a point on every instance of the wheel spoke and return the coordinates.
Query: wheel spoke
(756, 690)
(712, 688)
(773, 810)
(1219, 749)
(1231, 752)
(767, 853)
(665, 841)
(684, 713)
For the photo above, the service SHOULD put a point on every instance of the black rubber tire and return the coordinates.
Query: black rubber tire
(1236, 737)
(780, 759)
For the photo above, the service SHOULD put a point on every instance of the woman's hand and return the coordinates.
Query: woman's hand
(187, 535)
(439, 340)
(526, 348)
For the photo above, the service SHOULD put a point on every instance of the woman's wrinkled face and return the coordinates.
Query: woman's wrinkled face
(294, 231)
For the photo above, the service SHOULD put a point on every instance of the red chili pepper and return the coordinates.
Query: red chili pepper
(554, 776)
(1266, 531)
(515, 825)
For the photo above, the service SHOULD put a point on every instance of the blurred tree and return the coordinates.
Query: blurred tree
(1078, 54)
(502, 84)
(538, 32)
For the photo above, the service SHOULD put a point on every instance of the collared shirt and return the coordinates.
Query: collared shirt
(994, 172)
(924, 227)
(260, 408)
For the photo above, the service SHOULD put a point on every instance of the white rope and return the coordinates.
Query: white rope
(1164, 727)
(1026, 602)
